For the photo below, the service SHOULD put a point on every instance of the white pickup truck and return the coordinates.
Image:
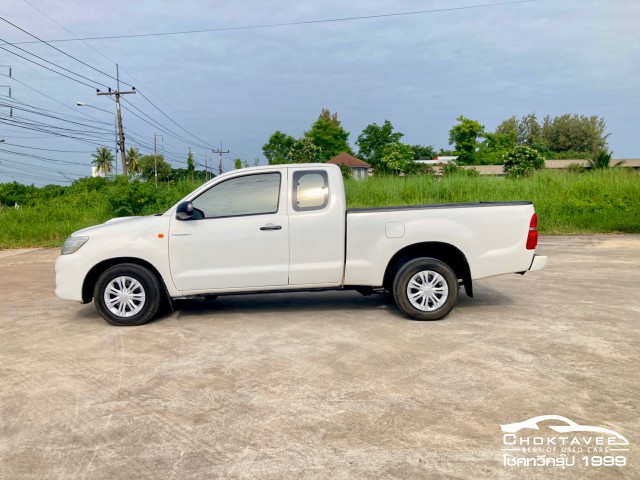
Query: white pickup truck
(286, 228)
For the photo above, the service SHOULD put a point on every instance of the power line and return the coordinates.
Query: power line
(288, 24)
(32, 168)
(157, 124)
(28, 176)
(57, 49)
(173, 121)
(45, 95)
(70, 33)
(99, 53)
(21, 103)
(43, 128)
(39, 157)
(36, 112)
(50, 69)
(47, 149)
(21, 164)
(49, 62)
(19, 120)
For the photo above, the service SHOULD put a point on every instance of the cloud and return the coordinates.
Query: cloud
(420, 71)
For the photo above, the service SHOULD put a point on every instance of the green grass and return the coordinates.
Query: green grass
(604, 201)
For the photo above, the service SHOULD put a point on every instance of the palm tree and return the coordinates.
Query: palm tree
(132, 157)
(602, 159)
(103, 160)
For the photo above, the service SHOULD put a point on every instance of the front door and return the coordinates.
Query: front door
(238, 238)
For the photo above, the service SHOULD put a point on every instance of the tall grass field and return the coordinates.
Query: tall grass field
(604, 201)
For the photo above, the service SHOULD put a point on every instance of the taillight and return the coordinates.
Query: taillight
(532, 237)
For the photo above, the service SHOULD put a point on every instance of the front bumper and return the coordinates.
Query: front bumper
(71, 270)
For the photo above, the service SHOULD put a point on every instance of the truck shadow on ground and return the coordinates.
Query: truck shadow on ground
(321, 302)
(324, 302)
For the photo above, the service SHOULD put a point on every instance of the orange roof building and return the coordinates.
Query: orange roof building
(359, 169)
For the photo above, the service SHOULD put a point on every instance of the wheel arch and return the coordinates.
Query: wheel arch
(97, 270)
(444, 252)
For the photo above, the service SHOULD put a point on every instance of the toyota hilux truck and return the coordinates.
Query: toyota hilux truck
(286, 228)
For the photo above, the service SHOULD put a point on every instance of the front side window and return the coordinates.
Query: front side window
(248, 195)
(310, 190)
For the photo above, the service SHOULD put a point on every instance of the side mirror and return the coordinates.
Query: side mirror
(185, 211)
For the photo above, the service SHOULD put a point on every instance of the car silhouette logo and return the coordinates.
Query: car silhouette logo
(570, 426)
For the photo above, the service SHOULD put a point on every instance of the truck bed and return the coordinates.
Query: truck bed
(493, 240)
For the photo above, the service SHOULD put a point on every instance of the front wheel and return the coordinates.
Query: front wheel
(425, 289)
(127, 295)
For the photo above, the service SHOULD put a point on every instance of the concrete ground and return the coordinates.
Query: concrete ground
(321, 386)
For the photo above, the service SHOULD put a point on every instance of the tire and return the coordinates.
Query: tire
(433, 301)
(141, 290)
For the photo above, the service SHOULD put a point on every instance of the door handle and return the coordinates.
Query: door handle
(271, 226)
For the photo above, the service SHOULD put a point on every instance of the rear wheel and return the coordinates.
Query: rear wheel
(127, 295)
(425, 289)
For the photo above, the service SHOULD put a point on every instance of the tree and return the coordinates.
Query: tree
(521, 161)
(346, 171)
(397, 158)
(277, 147)
(237, 163)
(577, 133)
(423, 152)
(565, 136)
(327, 134)
(147, 165)
(510, 125)
(495, 146)
(373, 139)
(327, 116)
(191, 165)
(465, 138)
(529, 130)
(131, 158)
(304, 151)
(103, 160)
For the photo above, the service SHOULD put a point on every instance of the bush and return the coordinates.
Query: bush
(133, 197)
(425, 170)
(452, 168)
(521, 161)
(575, 168)
(346, 171)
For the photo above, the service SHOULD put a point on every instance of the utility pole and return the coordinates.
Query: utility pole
(117, 94)
(115, 130)
(220, 151)
(206, 169)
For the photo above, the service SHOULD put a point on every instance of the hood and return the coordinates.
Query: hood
(125, 224)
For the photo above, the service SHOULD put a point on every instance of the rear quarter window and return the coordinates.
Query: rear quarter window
(310, 190)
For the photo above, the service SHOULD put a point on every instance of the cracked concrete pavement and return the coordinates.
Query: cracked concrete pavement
(320, 385)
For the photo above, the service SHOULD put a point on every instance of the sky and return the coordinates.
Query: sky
(235, 87)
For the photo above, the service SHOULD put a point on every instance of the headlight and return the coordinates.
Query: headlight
(72, 244)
